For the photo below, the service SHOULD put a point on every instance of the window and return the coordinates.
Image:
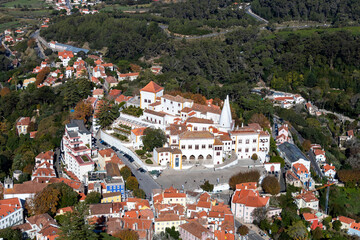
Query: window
(161, 154)
(182, 146)
(203, 146)
(196, 147)
(254, 140)
(190, 147)
(179, 104)
(218, 154)
(246, 150)
(254, 149)
(233, 142)
(195, 128)
(247, 141)
(174, 141)
(239, 150)
(240, 141)
(210, 146)
(164, 100)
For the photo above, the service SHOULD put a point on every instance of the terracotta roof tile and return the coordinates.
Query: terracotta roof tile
(152, 87)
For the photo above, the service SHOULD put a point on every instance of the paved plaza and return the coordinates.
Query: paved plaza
(192, 178)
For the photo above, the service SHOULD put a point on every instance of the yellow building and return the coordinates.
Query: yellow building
(111, 197)
(168, 220)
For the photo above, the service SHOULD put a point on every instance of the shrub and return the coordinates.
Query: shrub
(140, 152)
(148, 161)
(149, 155)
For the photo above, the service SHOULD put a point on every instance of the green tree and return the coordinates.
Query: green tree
(277, 159)
(10, 234)
(93, 197)
(297, 231)
(271, 185)
(172, 233)
(132, 183)
(139, 193)
(208, 187)
(75, 225)
(153, 138)
(336, 225)
(125, 172)
(317, 234)
(107, 114)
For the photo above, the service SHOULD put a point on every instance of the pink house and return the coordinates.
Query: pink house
(246, 199)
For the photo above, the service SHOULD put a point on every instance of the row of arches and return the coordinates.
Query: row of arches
(200, 157)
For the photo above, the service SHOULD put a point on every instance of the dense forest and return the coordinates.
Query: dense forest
(334, 11)
(321, 64)
(123, 37)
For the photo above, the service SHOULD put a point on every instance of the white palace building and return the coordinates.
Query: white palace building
(196, 133)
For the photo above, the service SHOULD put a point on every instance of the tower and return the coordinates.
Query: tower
(225, 117)
(8, 183)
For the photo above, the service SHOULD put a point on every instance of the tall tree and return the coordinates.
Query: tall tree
(125, 172)
(271, 185)
(93, 197)
(297, 231)
(75, 225)
(107, 114)
(153, 138)
(82, 111)
(132, 183)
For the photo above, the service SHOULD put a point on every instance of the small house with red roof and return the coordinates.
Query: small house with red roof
(354, 229)
(22, 125)
(319, 155)
(98, 93)
(122, 98)
(245, 200)
(128, 76)
(110, 82)
(345, 222)
(149, 93)
(313, 220)
(65, 56)
(329, 170)
(307, 199)
(136, 137)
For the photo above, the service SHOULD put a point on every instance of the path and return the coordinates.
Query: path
(257, 17)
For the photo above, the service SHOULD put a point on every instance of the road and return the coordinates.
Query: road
(168, 33)
(257, 17)
(57, 163)
(252, 235)
(315, 165)
(40, 50)
(146, 182)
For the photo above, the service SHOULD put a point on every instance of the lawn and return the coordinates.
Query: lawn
(28, 3)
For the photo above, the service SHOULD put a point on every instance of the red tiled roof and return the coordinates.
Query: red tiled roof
(307, 196)
(299, 168)
(152, 87)
(138, 131)
(319, 152)
(328, 167)
(250, 198)
(114, 92)
(346, 220)
(248, 185)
